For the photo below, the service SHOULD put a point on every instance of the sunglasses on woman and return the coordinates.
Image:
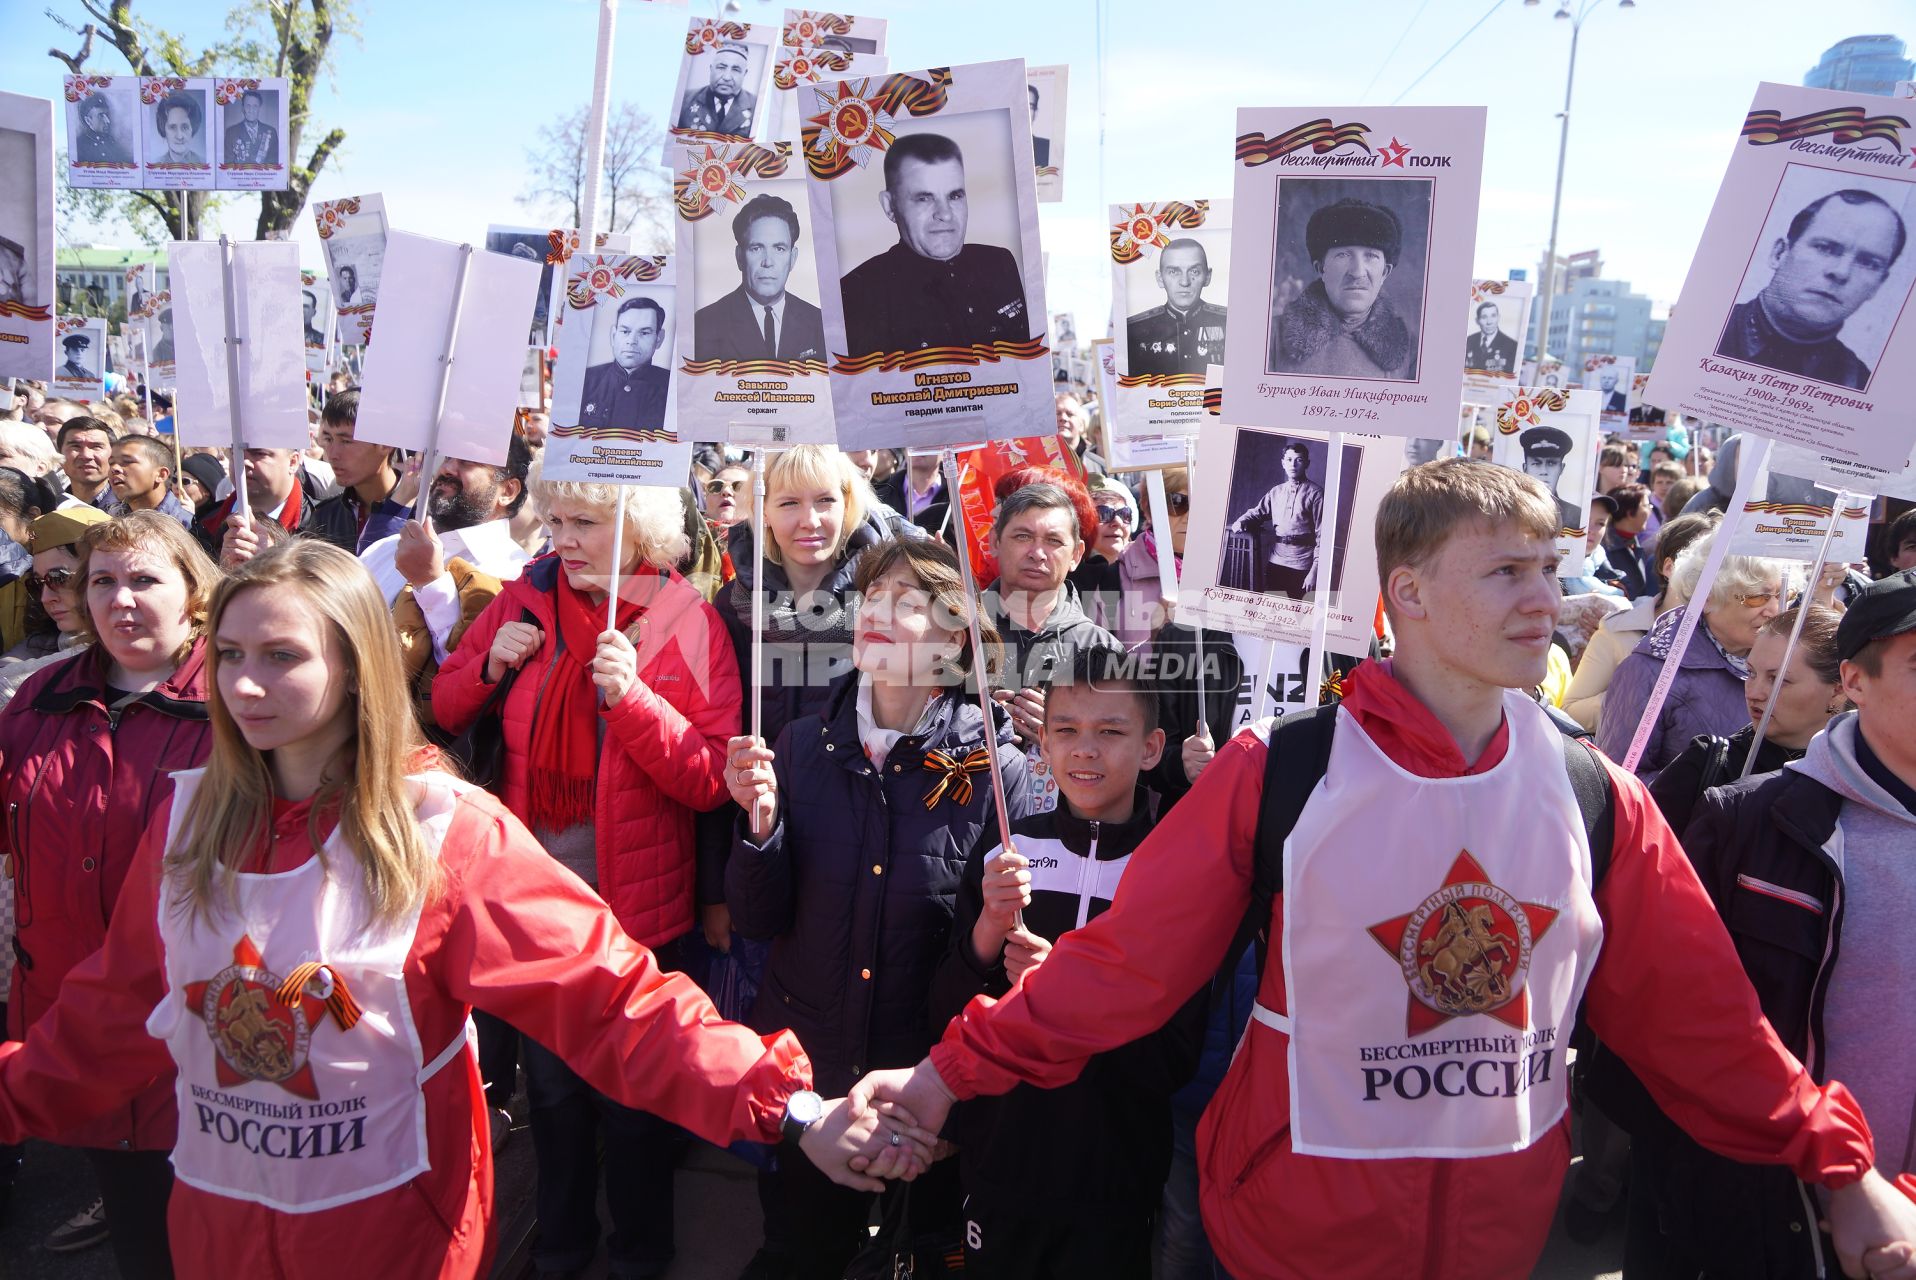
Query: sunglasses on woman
(717, 487)
(58, 579)
(1178, 503)
(1112, 515)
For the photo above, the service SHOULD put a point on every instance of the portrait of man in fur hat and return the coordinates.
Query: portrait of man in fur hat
(1343, 323)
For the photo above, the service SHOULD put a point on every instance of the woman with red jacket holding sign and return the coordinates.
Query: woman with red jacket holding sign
(303, 934)
(615, 740)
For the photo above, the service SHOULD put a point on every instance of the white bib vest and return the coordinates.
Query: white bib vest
(300, 1070)
(1438, 933)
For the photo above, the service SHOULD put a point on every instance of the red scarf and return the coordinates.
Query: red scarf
(215, 523)
(565, 726)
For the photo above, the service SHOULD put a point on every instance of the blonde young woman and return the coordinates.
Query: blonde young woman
(304, 934)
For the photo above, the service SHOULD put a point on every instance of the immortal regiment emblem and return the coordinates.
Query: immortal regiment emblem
(1466, 950)
(1524, 409)
(262, 1025)
(1143, 227)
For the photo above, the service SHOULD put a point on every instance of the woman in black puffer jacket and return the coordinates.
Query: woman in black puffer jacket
(854, 836)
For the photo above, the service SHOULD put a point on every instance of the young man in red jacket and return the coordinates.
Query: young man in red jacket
(1397, 1107)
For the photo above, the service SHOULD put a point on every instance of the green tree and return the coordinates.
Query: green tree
(290, 38)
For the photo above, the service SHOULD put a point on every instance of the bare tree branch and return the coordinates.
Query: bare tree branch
(85, 51)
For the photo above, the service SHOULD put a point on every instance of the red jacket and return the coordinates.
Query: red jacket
(80, 788)
(664, 744)
(1668, 994)
(511, 932)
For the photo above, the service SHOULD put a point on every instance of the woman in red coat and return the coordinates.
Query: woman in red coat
(615, 739)
(303, 934)
(87, 749)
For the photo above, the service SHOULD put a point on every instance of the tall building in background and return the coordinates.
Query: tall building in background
(1593, 316)
(1862, 64)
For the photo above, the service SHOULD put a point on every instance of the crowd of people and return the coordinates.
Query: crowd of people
(333, 825)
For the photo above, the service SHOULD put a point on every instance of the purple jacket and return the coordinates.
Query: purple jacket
(1707, 697)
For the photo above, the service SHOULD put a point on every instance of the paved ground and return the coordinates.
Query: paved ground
(717, 1208)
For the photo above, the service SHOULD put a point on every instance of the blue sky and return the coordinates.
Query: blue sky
(440, 101)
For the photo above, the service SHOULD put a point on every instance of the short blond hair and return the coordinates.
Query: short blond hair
(1430, 502)
(819, 466)
(1736, 577)
(654, 516)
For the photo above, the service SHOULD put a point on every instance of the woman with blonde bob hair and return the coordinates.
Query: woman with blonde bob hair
(88, 747)
(302, 941)
(614, 741)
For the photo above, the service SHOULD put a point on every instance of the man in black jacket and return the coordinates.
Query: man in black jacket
(1810, 869)
(1065, 1182)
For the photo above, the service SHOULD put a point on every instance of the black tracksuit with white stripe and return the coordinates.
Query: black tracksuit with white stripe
(1059, 1179)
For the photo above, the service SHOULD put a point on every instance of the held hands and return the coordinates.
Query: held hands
(917, 1098)
(615, 667)
(1198, 752)
(1007, 891)
(1872, 1224)
(512, 644)
(859, 1145)
(419, 555)
(1026, 707)
(754, 787)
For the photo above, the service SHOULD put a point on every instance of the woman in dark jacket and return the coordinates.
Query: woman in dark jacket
(853, 840)
(88, 747)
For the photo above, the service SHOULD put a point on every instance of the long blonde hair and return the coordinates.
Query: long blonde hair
(231, 811)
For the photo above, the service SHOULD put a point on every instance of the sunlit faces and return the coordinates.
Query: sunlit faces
(85, 457)
(1096, 744)
(582, 539)
(1836, 265)
(137, 600)
(1485, 604)
(281, 674)
(466, 493)
(51, 582)
(806, 525)
(725, 495)
(927, 202)
(1071, 420)
(1353, 275)
(1887, 698)
(1735, 624)
(901, 634)
(354, 462)
(270, 476)
(1037, 548)
(136, 479)
(1803, 704)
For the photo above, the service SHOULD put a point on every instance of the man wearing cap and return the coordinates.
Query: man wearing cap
(629, 390)
(759, 320)
(1293, 512)
(162, 352)
(75, 370)
(722, 106)
(1186, 333)
(1341, 326)
(1810, 868)
(97, 143)
(931, 289)
(1545, 450)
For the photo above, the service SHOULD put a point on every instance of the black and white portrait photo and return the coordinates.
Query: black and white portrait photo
(251, 133)
(178, 129)
(1274, 524)
(1828, 278)
(929, 239)
(1612, 378)
(756, 288)
(1182, 330)
(350, 288)
(20, 167)
(1492, 345)
(528, 245)
(1045, 89)
(722, 88)
(1040, 138)
(1348, 277)
(159, 334)
(1548, 454)
(103, 144)
(628, 365)
(78, 361)
(311, 316)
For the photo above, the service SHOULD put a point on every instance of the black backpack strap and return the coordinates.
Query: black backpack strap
(1299, 753)
(1591, 783)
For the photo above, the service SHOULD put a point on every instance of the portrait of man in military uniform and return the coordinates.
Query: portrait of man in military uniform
(15, 280)
(722, 105)
(96, 141)
(1835, 255)
(1288, 519)
(1488, 349)
(309, 308)
(1546, 454)
(75, 369)
(1614, 398)
(162, 352)
(931, 289)
(761, 319)
(629, 390)
(1186, 333)
(1343, 324)
(252, 140)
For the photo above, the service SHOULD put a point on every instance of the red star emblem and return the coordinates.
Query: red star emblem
(1465, 950)
(255, 1037)
(1394, 153)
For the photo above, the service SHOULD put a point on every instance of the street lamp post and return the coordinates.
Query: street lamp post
(1564, 12)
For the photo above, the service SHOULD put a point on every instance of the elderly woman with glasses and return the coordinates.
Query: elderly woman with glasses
(1708, 694)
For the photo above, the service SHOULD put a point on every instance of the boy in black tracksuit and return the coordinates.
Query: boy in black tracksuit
(1066, 1182)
